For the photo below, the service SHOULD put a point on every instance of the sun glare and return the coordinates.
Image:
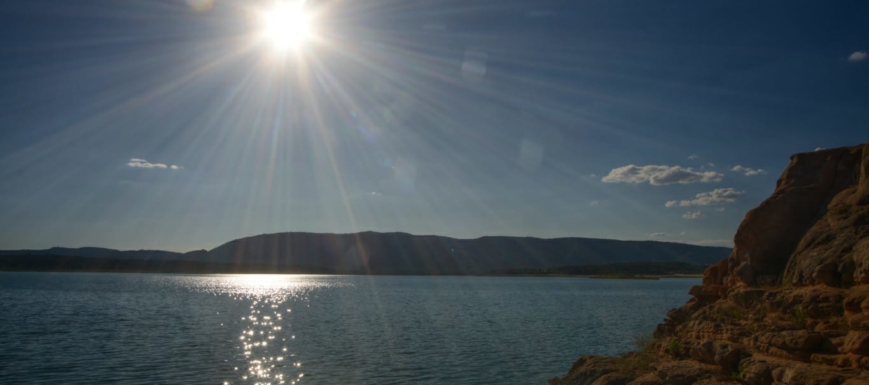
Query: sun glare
(286, 25)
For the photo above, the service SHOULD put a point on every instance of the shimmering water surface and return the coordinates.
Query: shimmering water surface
(58, 328)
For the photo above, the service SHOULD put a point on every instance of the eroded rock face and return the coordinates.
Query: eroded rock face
(791, 303)
(806, 232)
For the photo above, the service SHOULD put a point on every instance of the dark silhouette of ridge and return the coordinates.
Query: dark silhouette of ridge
(402, 253)
(65, 263)
(99, 252)
(630, 268)
(405, 254)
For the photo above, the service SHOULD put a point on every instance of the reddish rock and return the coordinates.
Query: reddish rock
(807, 375)
(790, 305)
(856, 342)
(746, 296)
(856, 381)
(706, 292)
(757, 374)
(770, 233)
(856, 301)
(723, 354)
(800, 340)
(684, 372)
(588, 369)
(615, 378)
(647, 379)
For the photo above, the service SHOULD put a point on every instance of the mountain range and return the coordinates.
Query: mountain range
(369, 253)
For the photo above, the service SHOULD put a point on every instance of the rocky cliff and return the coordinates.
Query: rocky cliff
(790, 305)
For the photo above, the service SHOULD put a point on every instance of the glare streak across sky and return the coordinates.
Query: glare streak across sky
(179, 125)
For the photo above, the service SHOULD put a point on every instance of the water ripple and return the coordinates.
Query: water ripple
(284, 329)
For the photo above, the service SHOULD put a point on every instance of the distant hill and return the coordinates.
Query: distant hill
(406, 254)
(98, 252)
(631, 268)
(67, 263)
(401, 253)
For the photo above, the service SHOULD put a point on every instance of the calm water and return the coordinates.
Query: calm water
(270, 329)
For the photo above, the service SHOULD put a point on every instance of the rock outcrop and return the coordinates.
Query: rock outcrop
(790, 305)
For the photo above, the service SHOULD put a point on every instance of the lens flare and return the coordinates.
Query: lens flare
(286, 25)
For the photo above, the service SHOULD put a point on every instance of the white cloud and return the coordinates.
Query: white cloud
(593, 203)
(748, 171)
(857, 56)
(819, 148)
(710, 164)
(719, 196)
(657, 235)
(141, 163)
(693, 215)
(719, 209)
(660, 175)
(692, 156)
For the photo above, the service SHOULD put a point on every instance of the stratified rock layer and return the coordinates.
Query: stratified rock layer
(790, 305)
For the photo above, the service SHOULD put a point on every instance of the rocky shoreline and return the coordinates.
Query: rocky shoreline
(790, 305)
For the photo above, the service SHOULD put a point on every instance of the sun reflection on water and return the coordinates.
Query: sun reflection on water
(266, 337)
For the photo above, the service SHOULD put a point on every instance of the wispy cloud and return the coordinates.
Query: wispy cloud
(593, 203)
(658, 235)
(660, 175)
(693, 215)
(692, 156)
(748, 171)
(857, 56)
(819, 149)
(141, 163)
(719, 196)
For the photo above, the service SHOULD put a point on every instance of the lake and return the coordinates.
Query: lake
(80, 328)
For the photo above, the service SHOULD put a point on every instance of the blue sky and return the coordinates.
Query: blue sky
(601, 118)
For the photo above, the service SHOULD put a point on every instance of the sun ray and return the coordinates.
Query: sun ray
(287, 25)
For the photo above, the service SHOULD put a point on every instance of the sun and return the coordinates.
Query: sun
(286, 25)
